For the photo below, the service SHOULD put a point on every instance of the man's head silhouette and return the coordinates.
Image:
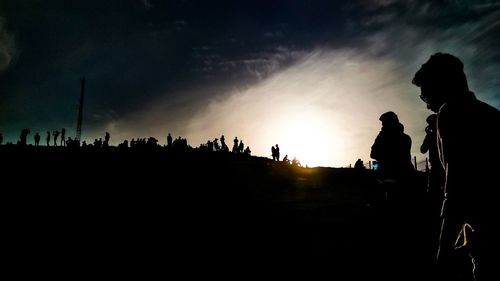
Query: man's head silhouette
(441, 79)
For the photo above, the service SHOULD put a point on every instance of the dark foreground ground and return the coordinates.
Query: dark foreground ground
(121, 214)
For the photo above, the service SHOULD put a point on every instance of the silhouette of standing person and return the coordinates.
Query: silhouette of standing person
(63, 137)
(235, 145)
(469, 150)
(169, 141)
(277, 149)
(223, 143)
(56, 135)
(37, 139)
(48, 138)
(273, 152)
(106, 140)
(241, 147)
(392, 149)
(1, 139)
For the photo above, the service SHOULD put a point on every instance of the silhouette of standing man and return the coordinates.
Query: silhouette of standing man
(63, 137)
(56, 135)
(37, 139)
(468, 140)
(169, 141)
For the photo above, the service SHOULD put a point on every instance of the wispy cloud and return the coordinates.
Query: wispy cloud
(147, 4)
(7, 46)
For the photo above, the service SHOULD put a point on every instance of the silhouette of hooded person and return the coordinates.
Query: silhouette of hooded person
(468, 135)
(392, 149)
(359, 164)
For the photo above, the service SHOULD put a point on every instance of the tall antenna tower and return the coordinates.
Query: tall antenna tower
(80, 110)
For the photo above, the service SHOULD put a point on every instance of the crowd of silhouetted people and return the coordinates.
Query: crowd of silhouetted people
(58, 139)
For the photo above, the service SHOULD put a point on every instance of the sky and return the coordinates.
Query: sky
(312, 76)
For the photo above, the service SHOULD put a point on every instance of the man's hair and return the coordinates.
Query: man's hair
(444, 71)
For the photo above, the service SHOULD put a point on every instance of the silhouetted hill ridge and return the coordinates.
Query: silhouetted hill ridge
(135, 207)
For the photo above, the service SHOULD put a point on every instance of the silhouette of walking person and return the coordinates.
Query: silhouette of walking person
(48, 138)
(37, 139)
(468, 143)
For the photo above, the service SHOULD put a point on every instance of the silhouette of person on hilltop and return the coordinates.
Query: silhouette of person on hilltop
(359, 164)
(275, 152)
(235, 145)
(1, 139)
(169, 141)
(106, 140)
(468, 142)
(56, 135)
(223, 144)
(24, 136)
(63, 137)
(286, 160)
(37, 139)
(48, 138)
